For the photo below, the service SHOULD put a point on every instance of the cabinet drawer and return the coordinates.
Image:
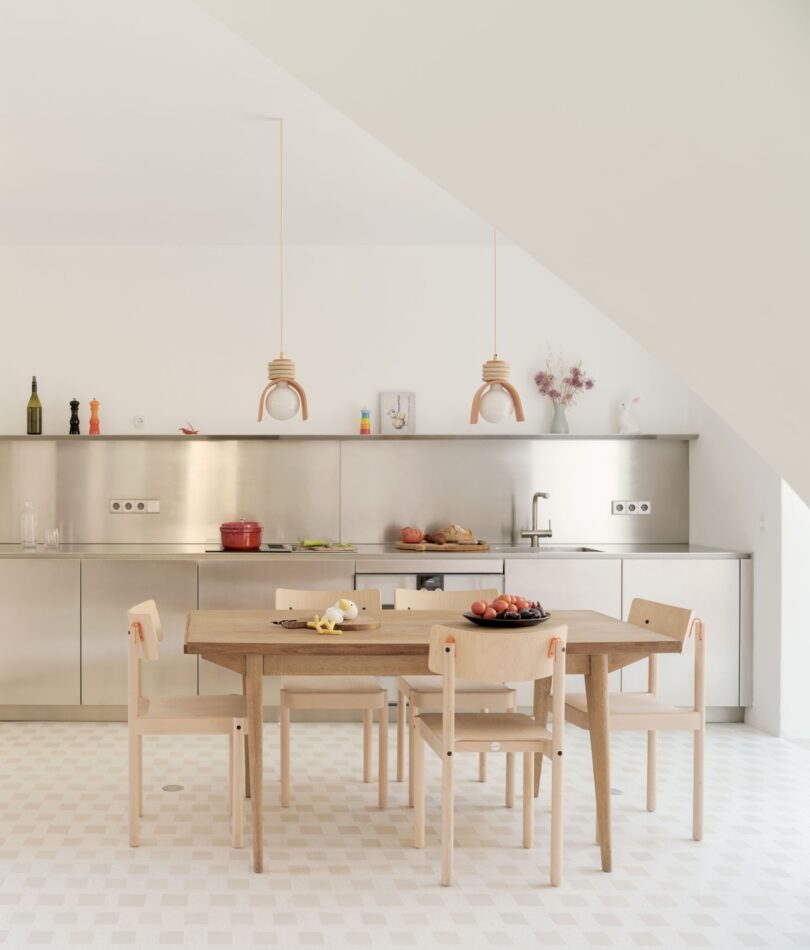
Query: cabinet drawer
(109, 588)
(711, 587)
(39, 632)
(251, 585)
(568, 584)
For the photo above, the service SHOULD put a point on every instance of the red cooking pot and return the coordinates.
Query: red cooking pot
(240, 535)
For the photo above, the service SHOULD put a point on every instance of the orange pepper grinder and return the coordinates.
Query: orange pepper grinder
(94, 429)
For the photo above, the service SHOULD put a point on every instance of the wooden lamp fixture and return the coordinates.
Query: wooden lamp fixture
(497, 398)
(282, 396)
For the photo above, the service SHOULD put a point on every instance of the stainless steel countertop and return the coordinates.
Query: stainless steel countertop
(367, 552)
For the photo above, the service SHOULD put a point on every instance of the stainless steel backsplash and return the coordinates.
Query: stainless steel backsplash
(360, 491)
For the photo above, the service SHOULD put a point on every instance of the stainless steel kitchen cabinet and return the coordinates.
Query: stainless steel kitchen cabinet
(39, 632)
(568, 584)
(712, 588)
(232, 583)
(108, 589)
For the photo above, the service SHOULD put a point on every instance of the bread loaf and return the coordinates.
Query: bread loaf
(456, 534)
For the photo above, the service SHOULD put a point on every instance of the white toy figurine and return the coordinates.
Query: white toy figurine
(627, 423)
(332, 616)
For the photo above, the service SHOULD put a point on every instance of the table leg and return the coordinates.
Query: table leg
(254, 673)
(247, 743)
(542, 701)
(596, 691)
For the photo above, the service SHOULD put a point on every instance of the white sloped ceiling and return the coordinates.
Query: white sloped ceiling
(654, 155)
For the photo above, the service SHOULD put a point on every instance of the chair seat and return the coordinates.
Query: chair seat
(433, 684)
(486, 727)
(331, 684)
(628, 711)
(202, 715)
(333, 692)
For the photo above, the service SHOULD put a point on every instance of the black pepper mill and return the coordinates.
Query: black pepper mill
(74, 417)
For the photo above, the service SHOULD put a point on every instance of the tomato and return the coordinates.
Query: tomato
(479, 607)
(489, 614)
(499, 605)
(411, 535)
(521, 604)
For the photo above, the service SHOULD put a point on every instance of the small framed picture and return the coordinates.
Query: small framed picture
(397, 413)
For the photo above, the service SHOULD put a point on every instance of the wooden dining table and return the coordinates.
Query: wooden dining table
(248, 642)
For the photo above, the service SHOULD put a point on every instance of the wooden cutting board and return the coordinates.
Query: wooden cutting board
(348, 625)
(452, 547)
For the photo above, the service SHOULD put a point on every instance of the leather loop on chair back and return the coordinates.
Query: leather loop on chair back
(498, 656)
(144, 624)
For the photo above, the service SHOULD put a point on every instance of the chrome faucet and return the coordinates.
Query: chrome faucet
(536, 533)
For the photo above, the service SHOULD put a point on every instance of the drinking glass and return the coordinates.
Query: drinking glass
(52, 539)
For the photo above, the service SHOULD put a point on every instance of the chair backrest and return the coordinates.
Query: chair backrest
(675, 622)
(440, 599)
(369, 601)
(498, 656)
(145, 630)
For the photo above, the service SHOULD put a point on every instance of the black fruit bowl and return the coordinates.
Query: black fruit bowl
(494, 622)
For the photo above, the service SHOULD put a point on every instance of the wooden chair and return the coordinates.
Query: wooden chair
(424, 693)
(517, 655)
(364, 693)
(643, 712)
(182, 715)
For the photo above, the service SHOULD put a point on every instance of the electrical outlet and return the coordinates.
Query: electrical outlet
(134, 506)
(630, 507)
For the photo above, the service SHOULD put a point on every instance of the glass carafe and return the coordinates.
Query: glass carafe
(28, 527)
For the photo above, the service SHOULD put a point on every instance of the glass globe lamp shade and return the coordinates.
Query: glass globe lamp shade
(496, 404)
(282, 402)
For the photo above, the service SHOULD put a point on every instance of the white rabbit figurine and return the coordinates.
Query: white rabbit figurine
(627, 423)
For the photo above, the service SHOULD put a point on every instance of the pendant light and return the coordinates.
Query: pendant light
(282, 396)
(497, 399)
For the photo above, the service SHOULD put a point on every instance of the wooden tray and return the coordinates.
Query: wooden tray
(452, 547)
(326, 548)
(348, 625)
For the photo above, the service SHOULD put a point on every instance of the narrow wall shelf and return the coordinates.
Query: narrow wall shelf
(336, 437)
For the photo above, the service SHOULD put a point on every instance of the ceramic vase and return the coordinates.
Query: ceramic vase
(559, 424)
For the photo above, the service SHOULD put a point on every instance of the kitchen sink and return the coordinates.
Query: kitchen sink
(546, 548)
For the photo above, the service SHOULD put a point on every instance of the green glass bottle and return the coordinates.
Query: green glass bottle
(34, 411)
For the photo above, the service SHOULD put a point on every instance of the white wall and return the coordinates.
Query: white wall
(795, 712)
(654, 155)
(176, 333)
(735, 502)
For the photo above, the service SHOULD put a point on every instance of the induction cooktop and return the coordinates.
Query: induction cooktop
(270, 548)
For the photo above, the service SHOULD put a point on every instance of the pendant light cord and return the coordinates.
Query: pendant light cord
(495, 291)
(281, 235)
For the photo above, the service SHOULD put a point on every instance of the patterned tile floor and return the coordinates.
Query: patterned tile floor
(340, 873)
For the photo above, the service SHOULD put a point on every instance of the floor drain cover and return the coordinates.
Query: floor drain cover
(172, 788)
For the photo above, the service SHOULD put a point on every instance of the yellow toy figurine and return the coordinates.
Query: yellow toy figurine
(332, 616)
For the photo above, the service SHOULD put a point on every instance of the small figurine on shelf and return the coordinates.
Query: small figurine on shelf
(74, 417)
(94, 429)
(188, 429)
(628, 425)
